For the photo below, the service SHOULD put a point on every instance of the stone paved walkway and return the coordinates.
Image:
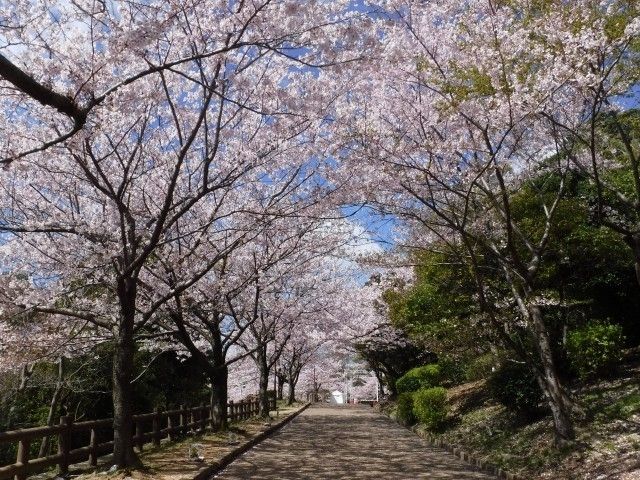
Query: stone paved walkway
(340, 443)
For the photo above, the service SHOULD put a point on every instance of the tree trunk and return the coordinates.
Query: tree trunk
(264, 382)
(25, 375)
(213, 365)
(634, 242)
(292, 394)
(282, 379)
(294, 374)
(550, 382)
(387, 380)
(123, 454)
(219, 397)
(53, 407)
(219, 375)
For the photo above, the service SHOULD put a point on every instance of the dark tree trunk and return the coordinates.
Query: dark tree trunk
(219, 397)
(25, 375)
(124, 349)
(219, 375)
(550, 382)
(261, 356)
(634, 242)
(292, 394)
(282, 379)
(294, 374)
(214, 367)
(389, 381)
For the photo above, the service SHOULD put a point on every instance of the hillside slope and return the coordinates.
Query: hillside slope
(608, 431)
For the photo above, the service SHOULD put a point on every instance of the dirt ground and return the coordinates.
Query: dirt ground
(171, 461)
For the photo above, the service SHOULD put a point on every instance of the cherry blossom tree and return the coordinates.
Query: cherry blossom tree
(475, 100)
(607, 76)
(296, 355)
(212, 317)
(63, 63)
(164, 110)
(320, 375)
(284, 266)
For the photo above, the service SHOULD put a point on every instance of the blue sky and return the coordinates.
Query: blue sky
(381, 228)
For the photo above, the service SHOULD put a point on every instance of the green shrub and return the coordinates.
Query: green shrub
(515, 386)
(430, 406)
(404, 409)
(452, 372)
(595, 348)
(480, 367)
(419, 377)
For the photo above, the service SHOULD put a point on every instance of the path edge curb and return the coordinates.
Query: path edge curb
(463, 455)
(216, 467)
(460, 453)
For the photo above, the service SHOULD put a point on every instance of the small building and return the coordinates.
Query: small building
(336, 397)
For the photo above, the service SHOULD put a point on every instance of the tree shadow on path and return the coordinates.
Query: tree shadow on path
(347, 443)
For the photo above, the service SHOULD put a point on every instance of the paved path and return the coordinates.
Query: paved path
(340, 443)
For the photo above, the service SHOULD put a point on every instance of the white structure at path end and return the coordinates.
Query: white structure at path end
(337, 397)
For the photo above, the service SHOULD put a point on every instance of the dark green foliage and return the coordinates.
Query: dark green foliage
(587, 271)
(595, 349)
(430, 406)
(164, 380)
(587, 266)
(514, 386)
(168, 382)
(404, 410)
(419, 377)
(452, 372)
(480, 367)
(436, 309)
(391, 353)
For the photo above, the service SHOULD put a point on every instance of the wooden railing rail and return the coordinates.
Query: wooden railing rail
(149, 428)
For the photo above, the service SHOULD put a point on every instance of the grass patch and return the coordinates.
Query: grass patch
(624, 408)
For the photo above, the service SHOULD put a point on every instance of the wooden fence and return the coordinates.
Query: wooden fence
(97, 436)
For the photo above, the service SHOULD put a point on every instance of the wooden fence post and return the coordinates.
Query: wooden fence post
(183, 420)
(93, 449)
(23, 457)
(156, 427)
(63, 444)
(170, 435)
(203, 418)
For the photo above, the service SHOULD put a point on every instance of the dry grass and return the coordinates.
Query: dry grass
(171, 461)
